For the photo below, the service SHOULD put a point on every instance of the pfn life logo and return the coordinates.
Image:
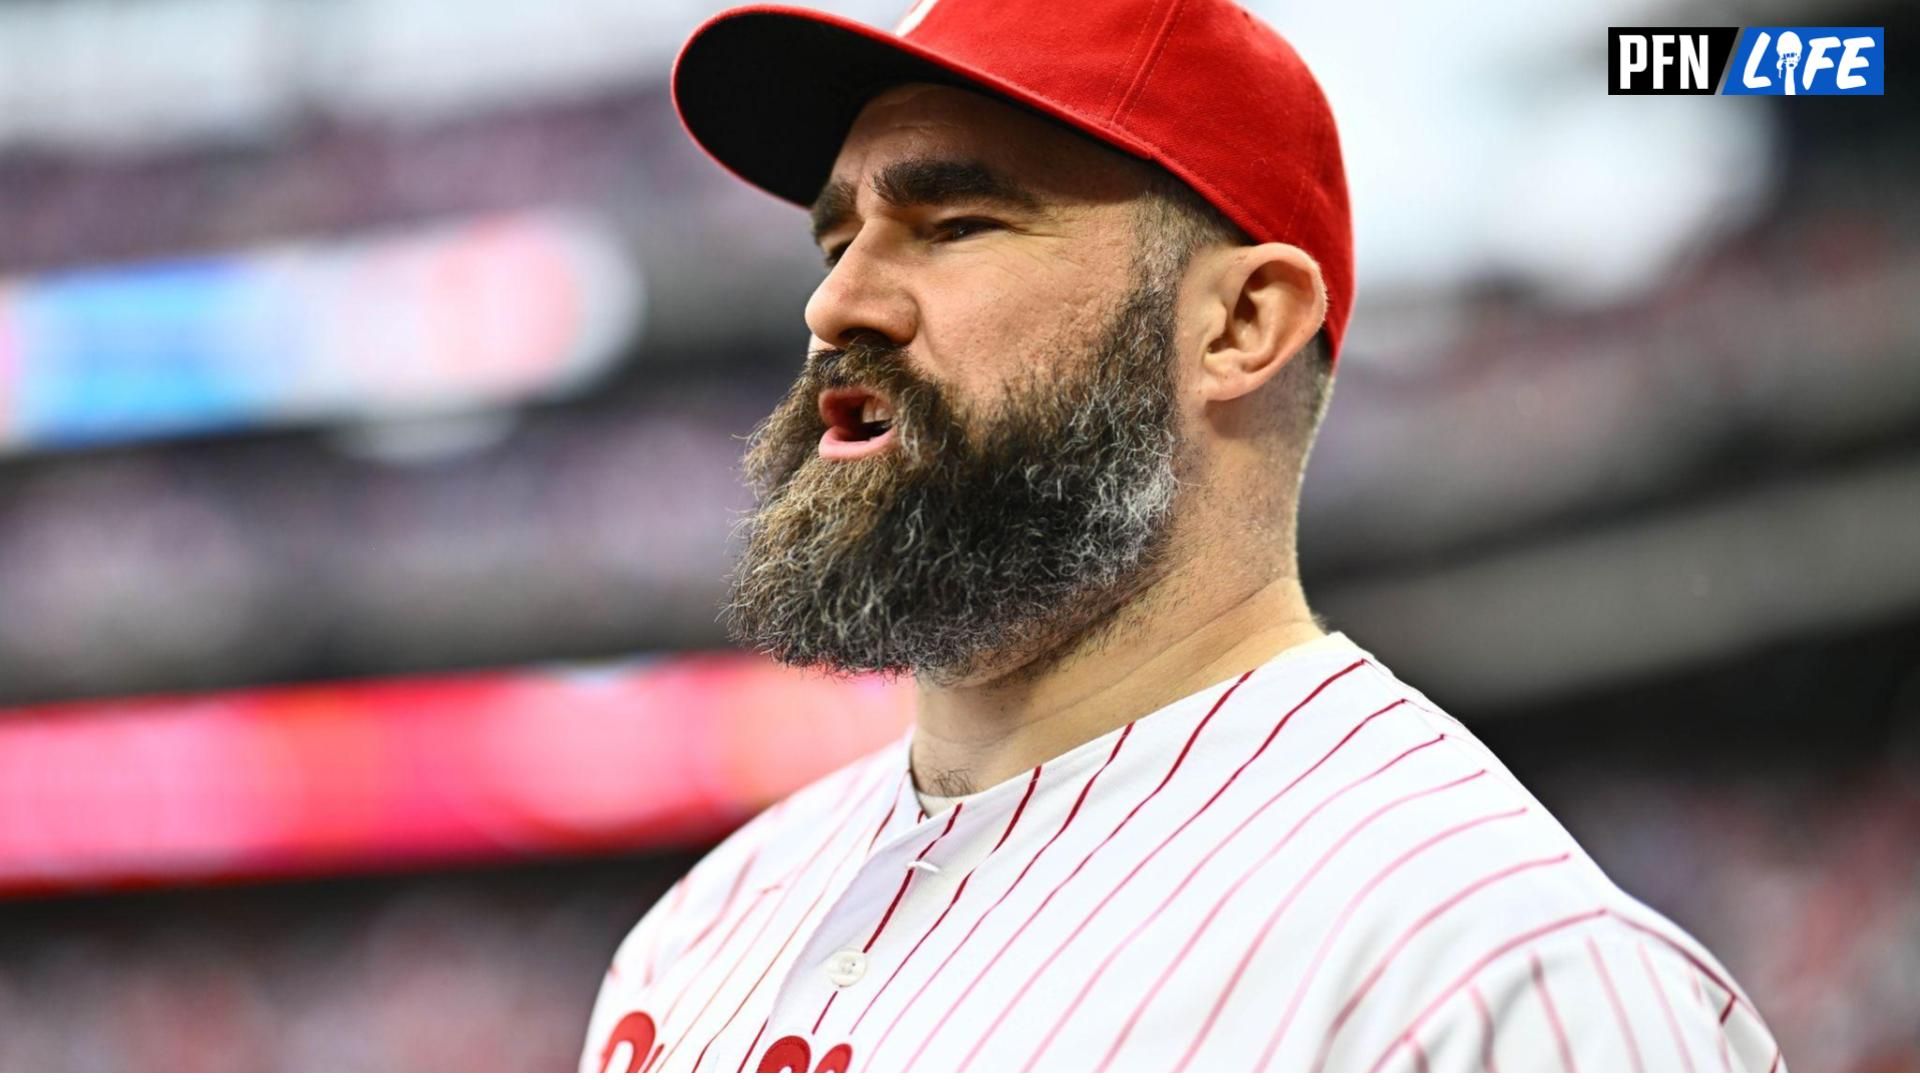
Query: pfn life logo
(1795, 60)
(1790, 61)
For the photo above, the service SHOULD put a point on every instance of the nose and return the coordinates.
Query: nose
(864, 294)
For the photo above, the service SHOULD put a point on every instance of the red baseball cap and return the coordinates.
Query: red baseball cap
(1200, 87)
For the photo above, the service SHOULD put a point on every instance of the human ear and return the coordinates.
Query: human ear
(1266, 302)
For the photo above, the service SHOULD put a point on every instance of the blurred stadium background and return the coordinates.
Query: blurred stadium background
(371, 378)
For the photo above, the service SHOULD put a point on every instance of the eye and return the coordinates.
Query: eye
(948, 229)
(961, 228)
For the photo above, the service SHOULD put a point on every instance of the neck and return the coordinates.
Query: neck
(1194, 626)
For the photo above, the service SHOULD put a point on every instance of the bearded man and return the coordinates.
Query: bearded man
(1088, 271)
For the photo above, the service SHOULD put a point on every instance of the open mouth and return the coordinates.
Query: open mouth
(859, 422)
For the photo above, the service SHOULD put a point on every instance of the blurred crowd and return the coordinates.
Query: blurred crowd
(486, 973)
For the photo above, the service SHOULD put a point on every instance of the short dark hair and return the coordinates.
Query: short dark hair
(1175, 223)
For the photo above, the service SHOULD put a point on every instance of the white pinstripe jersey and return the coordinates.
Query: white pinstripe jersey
(1306, 867)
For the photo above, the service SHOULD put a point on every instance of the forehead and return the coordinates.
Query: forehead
(926, 120)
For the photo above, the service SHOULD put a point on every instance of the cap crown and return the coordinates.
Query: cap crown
(1201, 87)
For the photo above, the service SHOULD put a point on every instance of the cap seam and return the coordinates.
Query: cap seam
(1240, 209)
(1140, 81)
(1132, 49)
(1299, 189)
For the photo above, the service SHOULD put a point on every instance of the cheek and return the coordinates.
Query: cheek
(982, 335)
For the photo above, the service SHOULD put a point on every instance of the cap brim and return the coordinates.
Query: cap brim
(770, 92)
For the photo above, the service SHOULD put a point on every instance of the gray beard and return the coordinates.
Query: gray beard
(948, 555)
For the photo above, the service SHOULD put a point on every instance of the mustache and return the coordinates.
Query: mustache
(861, 363)
(785, 443)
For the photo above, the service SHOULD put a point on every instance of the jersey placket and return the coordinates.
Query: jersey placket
(899, 890)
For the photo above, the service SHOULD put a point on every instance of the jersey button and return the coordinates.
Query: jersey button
(846, 966)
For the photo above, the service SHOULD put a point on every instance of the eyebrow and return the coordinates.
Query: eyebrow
(922, 181)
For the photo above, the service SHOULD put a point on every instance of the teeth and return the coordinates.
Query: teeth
(874, 411)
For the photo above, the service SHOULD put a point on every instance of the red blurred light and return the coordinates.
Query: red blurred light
(316, 779)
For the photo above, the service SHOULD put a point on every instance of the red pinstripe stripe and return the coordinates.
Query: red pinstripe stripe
(755, 1043)
(1479, 965)
(673, 908)
(905, 880)
(1673, 1024)
(1486, 1029)
(1699, 963)
(906, 783)
(657, 1047)
(1033, 781)
(1422, 704)
(1407, 935)
(1055, 891)
(1553, 1013)
(776, 815)
(1719, 1034)
(1220, 1002)
(908, 878)
(741, 921)
(1619, 1010)
(825, 888)
(1286, 903)
(986, 1036)
(1427, 707)
(732, 892)
(831, 998)
(752, 906)
(1360, 895)
(1199, 931)
(1167, 902)
(725, 905)
(800, 867)
(1141, 865)
(1071, 815)
(1775, 1066)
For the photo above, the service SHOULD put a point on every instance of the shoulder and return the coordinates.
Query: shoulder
(1504, 945)
(759, 851)
(726, 882)
(1615, 989)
